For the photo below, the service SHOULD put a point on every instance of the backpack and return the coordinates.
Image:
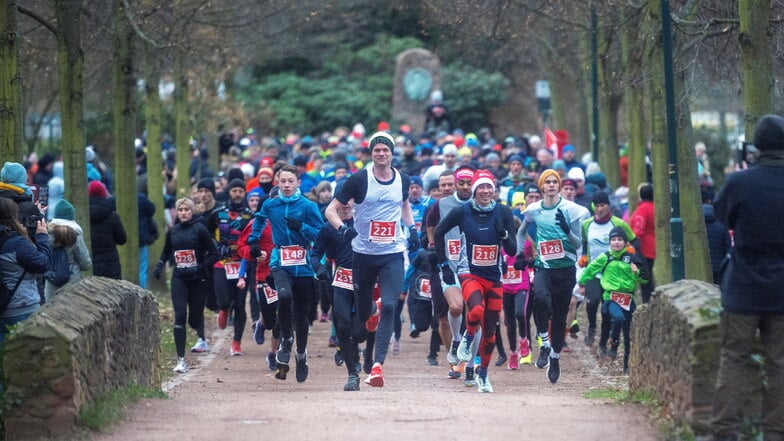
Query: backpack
(59, 272)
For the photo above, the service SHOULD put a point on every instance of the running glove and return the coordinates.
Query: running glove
(413, 239)
(347, 233)
(500, 230)
(520, 262)
(447, 276)
(158, 269)
(561, 220)
(293, 224)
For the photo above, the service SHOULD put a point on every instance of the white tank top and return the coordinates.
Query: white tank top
(378, 218)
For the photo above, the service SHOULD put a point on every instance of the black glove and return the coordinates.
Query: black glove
(293, 224)
(347, 233)
(224, 250)
(255, 251)
(413, 239)
(447, 276)
(322, 273)
(561, 220)
(158, 269)
(520, 262)
(432, 257)
(500, 230)
(188, 273)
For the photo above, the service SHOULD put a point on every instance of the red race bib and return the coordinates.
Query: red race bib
(232, 270)
(424, 288)
(551, 249)
(382, 232)
(512, 276)
(269, 294)
(344, 278)
(292, 255)
(185, 258)
(453, 249)
(484, 255)
(623, 299)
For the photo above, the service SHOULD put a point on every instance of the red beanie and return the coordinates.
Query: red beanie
(482, 177)
(96, 188)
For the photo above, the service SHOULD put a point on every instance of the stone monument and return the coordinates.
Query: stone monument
(417, 74)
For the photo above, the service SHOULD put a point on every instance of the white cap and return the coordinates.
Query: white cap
(576, 173)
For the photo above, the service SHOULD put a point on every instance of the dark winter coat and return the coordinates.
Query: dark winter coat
(750, 204)
(718, 239)
(106, 232)
(146, 211)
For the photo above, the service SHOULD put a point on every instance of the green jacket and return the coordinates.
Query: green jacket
(616, 270)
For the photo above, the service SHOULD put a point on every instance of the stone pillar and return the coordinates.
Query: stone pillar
(417, 74)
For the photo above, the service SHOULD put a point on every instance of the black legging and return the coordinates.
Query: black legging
(515, 312)
(268, 313)
(325, 291)
(188, 299)
(342, 318)
(553, 294)
(593, 297)
(295, 295)
(398, 327)
(231, 297)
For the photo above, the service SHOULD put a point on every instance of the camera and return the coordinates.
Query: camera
(30, 221)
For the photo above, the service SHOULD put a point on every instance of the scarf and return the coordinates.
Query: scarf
(773, 158)
(476, 206)
(291, 198)
(602, 220)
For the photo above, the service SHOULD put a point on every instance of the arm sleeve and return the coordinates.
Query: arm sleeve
(522, 232)
(313, 223)
(119, 232)
(259, 220)
(593, 268)
(81, 255)
(355, 188)
(510, 243)
(206, 242)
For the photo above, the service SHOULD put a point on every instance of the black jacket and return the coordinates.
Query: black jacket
(191, 235)
(106, 232)
(718, 238)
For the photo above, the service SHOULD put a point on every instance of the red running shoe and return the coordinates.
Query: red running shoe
(376, 377)
(235, 348)
(372, 323)
(223, 318)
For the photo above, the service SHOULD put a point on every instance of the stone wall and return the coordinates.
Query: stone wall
(96, 335)
(675, 350)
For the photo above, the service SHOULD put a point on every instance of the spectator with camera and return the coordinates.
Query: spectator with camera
(13, 186)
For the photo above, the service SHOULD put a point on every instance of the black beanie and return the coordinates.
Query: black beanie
(617, 232)
(207, 183)
(234, 183)
(236, 173)
(769, 134)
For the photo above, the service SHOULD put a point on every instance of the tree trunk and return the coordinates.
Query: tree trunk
(11, 124)
(634, 96)
(70, 63)
(608, 103)
(182, 128)
(124, 113)
(153, 110)
(757, 61)
(654, 70)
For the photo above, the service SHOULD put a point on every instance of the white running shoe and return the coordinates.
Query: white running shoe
(484, 384)
(182, 366)
(201, 346)
(464, 350)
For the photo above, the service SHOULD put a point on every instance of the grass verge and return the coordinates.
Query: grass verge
(109, 408)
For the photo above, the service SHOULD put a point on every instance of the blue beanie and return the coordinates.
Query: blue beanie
(15, 174)
(64, 210)
(257, 192)
(416, 180)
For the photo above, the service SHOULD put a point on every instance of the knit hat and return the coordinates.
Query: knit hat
(184, 201)
(381, 138)
(15, 174)
(234, 183)
(416, 180)
(515, 158)
(235, 173)
(568, 148)
(265, 171)
(769, 134)
(532, 188)
(207, 183)
(449, 149)
(64, 210)
(617, 232)
(464, 173)
(256, 192)
(492, 157)
(97, 189)
(89, 154)
(518, 198)
(576, 173)
(600, 197)
(545, 174)
(482, 177)
(569, 182)
(559, 164)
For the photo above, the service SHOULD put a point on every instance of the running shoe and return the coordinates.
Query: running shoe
(376, 377)
(324, 318)
(464, 350)
(451, 356)
(589, 338)
(333, 341)
(453, 374)
(352, 384)
(525, 351)
(566, 347)
(271, 363)
(469, 381)
(258, 332)
(182, 366)
(302, 367)
(574, 329)
(282, 358)
(432, 360)
(236, 349)
(483, 381)
(223, 318)
(544, 357)
(339, 357)
(396, 347)
(514, 360)
(501, 360)
(613, 352)
(372, 323)
(201, 346)
(554, 370)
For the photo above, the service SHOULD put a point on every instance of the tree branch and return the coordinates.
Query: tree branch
(38, 18)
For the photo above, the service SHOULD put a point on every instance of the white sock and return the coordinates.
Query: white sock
(454, 325)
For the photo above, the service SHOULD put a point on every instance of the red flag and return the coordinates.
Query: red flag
(551, 141)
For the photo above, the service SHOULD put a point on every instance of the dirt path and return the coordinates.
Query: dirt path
(227, 398)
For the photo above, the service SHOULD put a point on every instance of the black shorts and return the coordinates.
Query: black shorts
(421, 313)
(440, 306)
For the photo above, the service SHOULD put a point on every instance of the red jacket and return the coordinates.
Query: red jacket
(643, 223)
(265, 244)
